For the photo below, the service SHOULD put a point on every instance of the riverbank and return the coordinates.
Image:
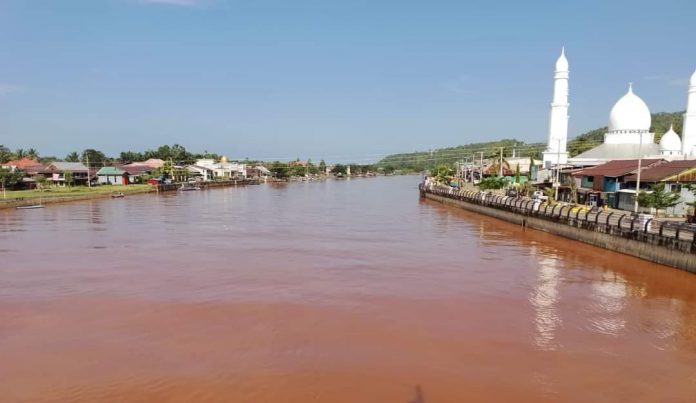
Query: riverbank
(16, 199)
(62, 195)
(664, 242)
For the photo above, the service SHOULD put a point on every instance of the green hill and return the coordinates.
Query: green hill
(422, 160)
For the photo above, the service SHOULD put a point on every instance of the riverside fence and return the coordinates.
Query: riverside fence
(676, 236)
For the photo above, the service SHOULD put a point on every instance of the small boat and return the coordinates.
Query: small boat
(30, 207)
(188, 188)
(118, 195)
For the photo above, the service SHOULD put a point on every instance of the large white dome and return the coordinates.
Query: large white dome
(693, 79)
(630, 113)
(670, 141)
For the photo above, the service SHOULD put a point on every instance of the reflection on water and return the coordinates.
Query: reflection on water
(343, 291)
(610, 300)
(544, 299)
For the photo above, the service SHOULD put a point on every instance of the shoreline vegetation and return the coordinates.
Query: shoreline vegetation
(15, 198)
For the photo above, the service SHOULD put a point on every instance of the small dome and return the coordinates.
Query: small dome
(630, 113)
(670, 141)
(224, 159)
(562, 62)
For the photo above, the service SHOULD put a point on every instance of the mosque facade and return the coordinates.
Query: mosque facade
(628, 135)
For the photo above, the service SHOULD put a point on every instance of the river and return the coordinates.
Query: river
(337, 291)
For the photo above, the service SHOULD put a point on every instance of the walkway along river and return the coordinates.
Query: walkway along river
(665, 242)
(336, 291)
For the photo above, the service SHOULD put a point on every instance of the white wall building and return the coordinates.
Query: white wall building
(224, 168)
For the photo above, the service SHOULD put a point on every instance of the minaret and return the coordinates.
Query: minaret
(556, 152)
(689, 130)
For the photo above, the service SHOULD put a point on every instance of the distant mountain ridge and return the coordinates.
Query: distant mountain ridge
(422, 160)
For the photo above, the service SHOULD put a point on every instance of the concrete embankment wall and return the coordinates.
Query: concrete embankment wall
(651, 252)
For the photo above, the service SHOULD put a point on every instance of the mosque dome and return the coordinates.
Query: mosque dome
(670, 141)
(562, 62)
(224, 159)
(630, 113)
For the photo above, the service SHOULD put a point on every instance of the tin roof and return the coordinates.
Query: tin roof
(615, 169)
(677, 171)
(67, 166)
(111, 171)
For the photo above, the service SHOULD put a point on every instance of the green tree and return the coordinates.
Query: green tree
(41, 182)
(128, 157)
(526, 189)
(443, 174)
(550, 194)
(73, 157)
(322, 166)
(20, 153)
(658, 199)
(517, 173)
(296, 170)
(10, 177)
(95, 156)
(33, 154)
(339, 169)
(5, 154)
(69, 178)
(493, 182)
(279, 170)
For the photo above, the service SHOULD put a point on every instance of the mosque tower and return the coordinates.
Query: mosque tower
(689, 130)
(556, 152)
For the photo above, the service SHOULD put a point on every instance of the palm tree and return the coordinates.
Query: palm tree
(20, 153)
(32, 154)
(73, 157)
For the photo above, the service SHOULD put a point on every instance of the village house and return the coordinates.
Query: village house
(677, 175)
(55, 172)
(200, 173)
(600, 184)
(25, 164)
(112, 176)
(123, 174)
(258, 172)
(223, 169)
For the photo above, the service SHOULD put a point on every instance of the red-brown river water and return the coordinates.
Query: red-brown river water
(339, 291)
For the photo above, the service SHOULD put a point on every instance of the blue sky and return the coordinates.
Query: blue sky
(341, 80)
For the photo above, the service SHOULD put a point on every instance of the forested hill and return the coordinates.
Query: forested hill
(422, 160)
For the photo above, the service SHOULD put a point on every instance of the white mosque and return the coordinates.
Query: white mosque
(629, 134)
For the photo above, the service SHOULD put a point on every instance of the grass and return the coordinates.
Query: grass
(74, 191)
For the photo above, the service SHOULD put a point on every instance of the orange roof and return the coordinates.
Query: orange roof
(23, 164)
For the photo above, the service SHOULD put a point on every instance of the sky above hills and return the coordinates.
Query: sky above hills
(341, 80)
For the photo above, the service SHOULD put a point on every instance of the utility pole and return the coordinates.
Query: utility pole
(558, 168)
(481, 166)
(89, 179)
(473, 164)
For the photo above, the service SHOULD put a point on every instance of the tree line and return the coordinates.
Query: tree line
(176, 153)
